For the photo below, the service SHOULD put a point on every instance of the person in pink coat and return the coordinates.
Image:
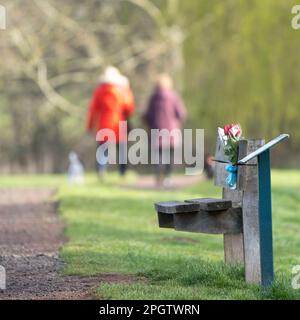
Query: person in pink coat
(165, 110)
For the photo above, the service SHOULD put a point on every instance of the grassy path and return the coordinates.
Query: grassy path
(114, 230)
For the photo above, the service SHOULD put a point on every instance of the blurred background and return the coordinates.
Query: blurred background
(232, 61)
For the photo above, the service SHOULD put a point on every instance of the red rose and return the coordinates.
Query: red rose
(227, 128)
(235, 131)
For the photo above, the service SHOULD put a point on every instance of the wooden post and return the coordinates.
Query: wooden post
(233, 243)
(258, 232)
(251, 217)
(265, 219)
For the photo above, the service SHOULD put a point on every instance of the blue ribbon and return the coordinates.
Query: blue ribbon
(231, 180)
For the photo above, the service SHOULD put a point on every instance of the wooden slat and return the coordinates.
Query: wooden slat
(234, 249)
(265, 147)
(245, 171)
(210, 204)
(220, 168)
(220, 173)
(234, 243)
(171, 207)
(165, 220)
(243, 150)
(219, 153)
(228, 221)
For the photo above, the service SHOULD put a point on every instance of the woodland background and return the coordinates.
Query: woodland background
(233, 61)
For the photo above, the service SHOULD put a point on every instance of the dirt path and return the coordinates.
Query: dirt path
(31, 234)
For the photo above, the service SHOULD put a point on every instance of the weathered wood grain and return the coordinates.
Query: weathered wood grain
(210, 204)
(264, 148)
(219, 153)
(221, 161)
(220, 168)
(220, 174)
(243, 151)
(234, 243)
(245, 171)
(165, 220)
(171, 207)
(227, 221)
(251, 218)
(234, 249)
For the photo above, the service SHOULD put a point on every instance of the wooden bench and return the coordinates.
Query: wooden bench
(243, 216)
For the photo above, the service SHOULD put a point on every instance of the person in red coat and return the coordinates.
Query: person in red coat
(111, 103)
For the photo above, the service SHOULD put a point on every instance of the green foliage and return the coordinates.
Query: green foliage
(231, 150)
(242, 67)
(233, 61)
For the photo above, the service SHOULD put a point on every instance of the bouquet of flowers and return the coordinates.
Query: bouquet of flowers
(230, 136)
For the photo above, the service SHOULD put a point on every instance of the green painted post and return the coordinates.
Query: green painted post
(265, 219)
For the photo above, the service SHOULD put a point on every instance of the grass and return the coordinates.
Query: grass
(114, 230)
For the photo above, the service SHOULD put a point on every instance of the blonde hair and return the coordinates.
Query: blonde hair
(164, 81)
(112, 75)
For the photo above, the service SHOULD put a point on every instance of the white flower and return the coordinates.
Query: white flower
(222, 136)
